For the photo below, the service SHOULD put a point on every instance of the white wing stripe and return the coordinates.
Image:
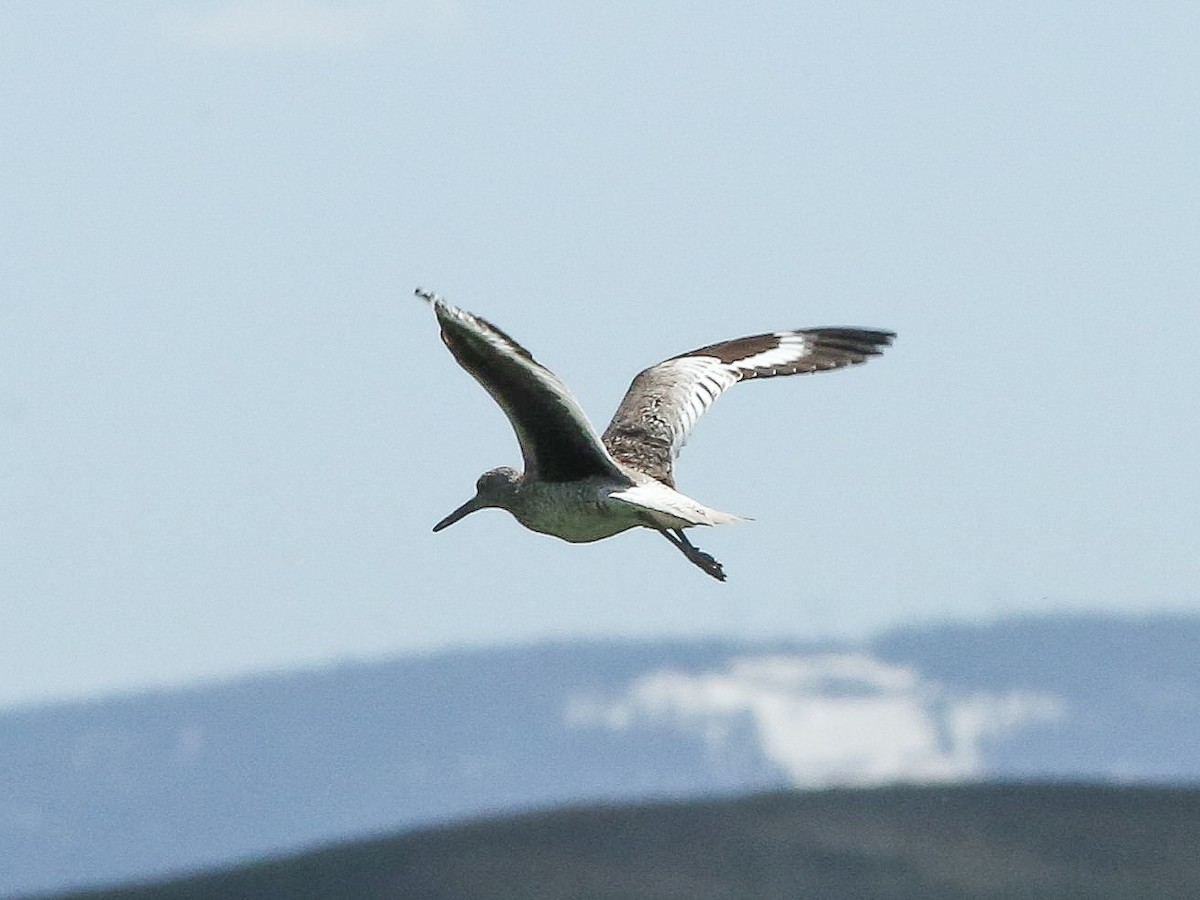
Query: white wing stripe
(792, 347)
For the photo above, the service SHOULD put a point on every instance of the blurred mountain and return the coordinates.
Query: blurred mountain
(135, 787)
(1034, 841)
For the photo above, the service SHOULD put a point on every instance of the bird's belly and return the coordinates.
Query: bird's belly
(588, 516)
(580, 526)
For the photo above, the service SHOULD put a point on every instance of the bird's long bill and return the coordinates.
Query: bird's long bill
(467, 508)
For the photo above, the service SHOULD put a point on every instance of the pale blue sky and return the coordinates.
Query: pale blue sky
(226, 428)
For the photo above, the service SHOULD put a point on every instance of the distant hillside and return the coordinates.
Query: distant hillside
(141, 786)
(1034, 842)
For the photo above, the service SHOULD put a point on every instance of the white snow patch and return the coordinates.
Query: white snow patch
(840, 718)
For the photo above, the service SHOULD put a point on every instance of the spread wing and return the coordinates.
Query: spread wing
(558, 443)
(665, 401)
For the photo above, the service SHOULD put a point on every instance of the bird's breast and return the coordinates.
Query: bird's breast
(576, 511)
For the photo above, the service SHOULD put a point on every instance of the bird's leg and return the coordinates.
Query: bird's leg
(697, 556)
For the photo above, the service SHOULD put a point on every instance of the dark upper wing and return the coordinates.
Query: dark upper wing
(557, 441)
(665, 401)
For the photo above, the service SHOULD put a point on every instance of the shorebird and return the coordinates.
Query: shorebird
(582, 487)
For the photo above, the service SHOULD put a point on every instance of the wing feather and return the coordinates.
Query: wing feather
(557, 441)
(665, 401)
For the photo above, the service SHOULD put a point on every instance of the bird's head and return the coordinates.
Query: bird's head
(493, 488)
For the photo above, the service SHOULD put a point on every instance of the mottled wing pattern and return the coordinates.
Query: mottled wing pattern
(665, 401)
(558, 443)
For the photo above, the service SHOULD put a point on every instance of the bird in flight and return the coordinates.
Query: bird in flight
(582, 487)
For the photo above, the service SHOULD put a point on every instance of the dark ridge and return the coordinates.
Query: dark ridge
(1031, 841)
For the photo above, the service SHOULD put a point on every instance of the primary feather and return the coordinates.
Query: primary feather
(665, 401)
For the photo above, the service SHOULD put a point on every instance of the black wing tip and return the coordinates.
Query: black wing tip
(427, 295)
(865, 341)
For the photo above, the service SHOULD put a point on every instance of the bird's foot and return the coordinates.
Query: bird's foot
(704, 561)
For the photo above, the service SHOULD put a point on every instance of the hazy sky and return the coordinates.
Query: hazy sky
(226, 427)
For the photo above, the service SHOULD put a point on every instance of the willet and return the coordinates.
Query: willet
(580, 486)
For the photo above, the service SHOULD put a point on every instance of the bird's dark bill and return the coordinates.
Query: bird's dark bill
(469, 507)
